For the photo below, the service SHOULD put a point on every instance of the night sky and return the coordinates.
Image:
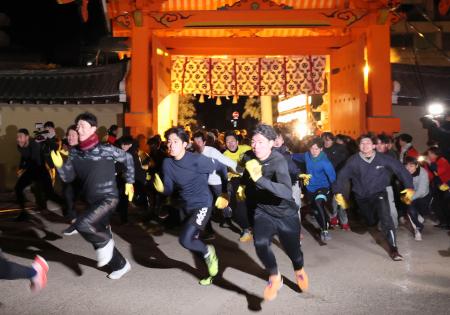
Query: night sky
(56, 32)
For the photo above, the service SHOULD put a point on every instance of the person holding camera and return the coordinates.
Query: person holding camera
(440, 133)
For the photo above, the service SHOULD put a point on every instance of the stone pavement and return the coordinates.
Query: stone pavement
(350, 275)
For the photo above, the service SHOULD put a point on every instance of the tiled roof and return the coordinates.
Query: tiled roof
(419, 82)
(82, 85)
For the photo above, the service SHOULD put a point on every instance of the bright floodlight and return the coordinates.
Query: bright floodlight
(436, 109)
(89, 63)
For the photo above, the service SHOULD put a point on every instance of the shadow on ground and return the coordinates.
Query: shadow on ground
(23, 239)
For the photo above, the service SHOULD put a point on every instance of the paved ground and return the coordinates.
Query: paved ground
(351, 275)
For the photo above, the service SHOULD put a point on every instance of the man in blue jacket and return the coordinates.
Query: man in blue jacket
(319, 176)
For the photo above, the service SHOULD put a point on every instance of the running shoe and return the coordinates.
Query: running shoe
(206, 281)
(39, 281)
(302, 279)
(246, 236)
(346, 227)
(334, 221)
(417, 235)
(119, 273)
(395, 255)
(420, 218)
(325, 236)
(212, 262)
(273, 286)
(163, 213)
(71, 230)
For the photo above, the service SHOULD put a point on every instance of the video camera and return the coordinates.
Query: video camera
(40, 134)
(436, 112)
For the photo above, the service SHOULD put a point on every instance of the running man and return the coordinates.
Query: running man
(93, 164)
(188, 173)
(370, 173)
(269, 186)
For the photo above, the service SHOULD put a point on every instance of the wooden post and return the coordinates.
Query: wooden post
(379, 110)
(140, 119)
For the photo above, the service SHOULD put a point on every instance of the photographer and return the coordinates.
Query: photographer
(439, 131)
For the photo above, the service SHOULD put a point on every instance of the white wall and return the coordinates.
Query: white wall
(409, 123)
(16, 116)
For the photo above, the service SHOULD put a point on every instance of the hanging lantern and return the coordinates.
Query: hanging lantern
(201, 99)
(235, 99)
(218, 101)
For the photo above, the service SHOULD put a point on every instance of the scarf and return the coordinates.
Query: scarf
(89, 143)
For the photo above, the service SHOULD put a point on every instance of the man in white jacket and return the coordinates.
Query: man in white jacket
(421, 198)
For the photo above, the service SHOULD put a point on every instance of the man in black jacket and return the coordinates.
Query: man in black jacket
(338, 155)
(93, 164)
(30, 170)
(269, 186)
(370, 173)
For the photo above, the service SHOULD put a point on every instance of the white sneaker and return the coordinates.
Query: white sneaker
(421, 219)
(417, 235)
(119, 273)
(105, 253)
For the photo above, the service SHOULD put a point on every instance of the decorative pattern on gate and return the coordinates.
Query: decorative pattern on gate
(291, 75)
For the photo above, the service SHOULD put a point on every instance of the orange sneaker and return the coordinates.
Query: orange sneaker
(272, 288)
(302, 279)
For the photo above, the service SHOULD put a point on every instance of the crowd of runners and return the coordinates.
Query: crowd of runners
(267, 181)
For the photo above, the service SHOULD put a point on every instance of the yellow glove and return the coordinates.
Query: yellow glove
(408, 195)
(222, 201)
(240, 193)
(404, 200)
(64, 152)
(148, 177)
(158, 184)
(443, 187)
(305, 178)
(341, 201)
(56, 158)
(254, 169)
(231, 175)
(129, 191)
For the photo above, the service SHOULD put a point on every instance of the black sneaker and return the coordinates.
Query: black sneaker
(163, 213)
(23, 216)
(71, 230)
(395, 255)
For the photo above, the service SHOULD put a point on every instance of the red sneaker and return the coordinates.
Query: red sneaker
(39, 281)
(346, 227)
(334, 221)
